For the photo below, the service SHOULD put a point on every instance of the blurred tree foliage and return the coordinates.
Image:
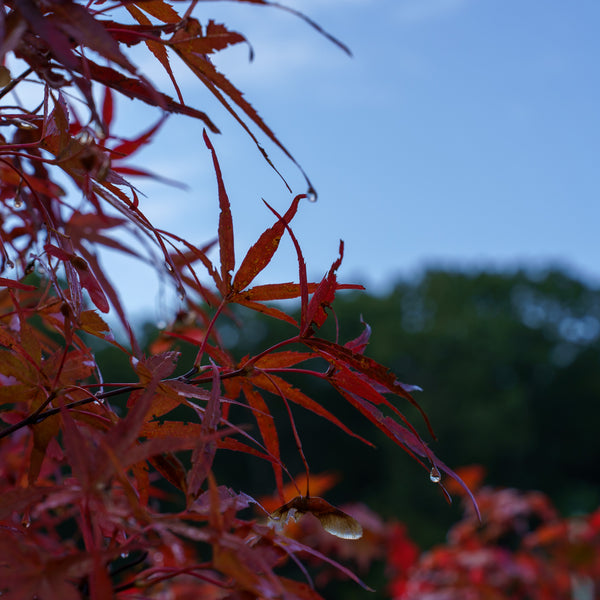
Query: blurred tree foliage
(510, 367)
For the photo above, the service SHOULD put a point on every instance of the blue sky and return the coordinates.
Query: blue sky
(461, 133)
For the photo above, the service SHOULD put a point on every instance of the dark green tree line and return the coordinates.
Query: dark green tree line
(508, 363)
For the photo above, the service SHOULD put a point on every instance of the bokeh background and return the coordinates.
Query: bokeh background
(456, 153)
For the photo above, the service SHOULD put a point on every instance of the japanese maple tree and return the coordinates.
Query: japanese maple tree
(106, 488)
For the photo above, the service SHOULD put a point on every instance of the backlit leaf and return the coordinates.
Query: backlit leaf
(277, 385)
(260, 254)
(135, 88)
(226, 247)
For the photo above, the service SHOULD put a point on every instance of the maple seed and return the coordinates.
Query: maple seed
(22, 124)
(79, 263)
(332, 519)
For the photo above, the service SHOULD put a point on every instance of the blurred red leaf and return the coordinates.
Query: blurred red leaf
(48, 31)
(136, 88)
(128, 147)
(43, 434)
(30, 571)
(77, 23)
(293, 546)
(11, 283)
(204, 453)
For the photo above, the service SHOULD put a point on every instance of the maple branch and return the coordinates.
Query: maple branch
(38, 416)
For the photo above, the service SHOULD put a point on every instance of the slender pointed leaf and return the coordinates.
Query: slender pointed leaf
(260, 254)
(226, 247)
(267, 429)
(298, 397)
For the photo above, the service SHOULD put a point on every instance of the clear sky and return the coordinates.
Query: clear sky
(461, 133)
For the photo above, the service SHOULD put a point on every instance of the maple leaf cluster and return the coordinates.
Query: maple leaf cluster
(521, 548)
(105, 489)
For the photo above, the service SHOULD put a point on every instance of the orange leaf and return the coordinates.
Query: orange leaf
(91, 322)
(43, 433)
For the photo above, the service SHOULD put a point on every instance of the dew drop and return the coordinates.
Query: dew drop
(18, 203)
(26, 522)
(181, 292)
(10, 264)
(124, 554)
(434, 475)
(311, 194)
(169, 267)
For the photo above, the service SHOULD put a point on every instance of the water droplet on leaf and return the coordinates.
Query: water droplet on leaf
(434, 475)
(10, 264)
(18, 203)
(169, 267)
(311, 194)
